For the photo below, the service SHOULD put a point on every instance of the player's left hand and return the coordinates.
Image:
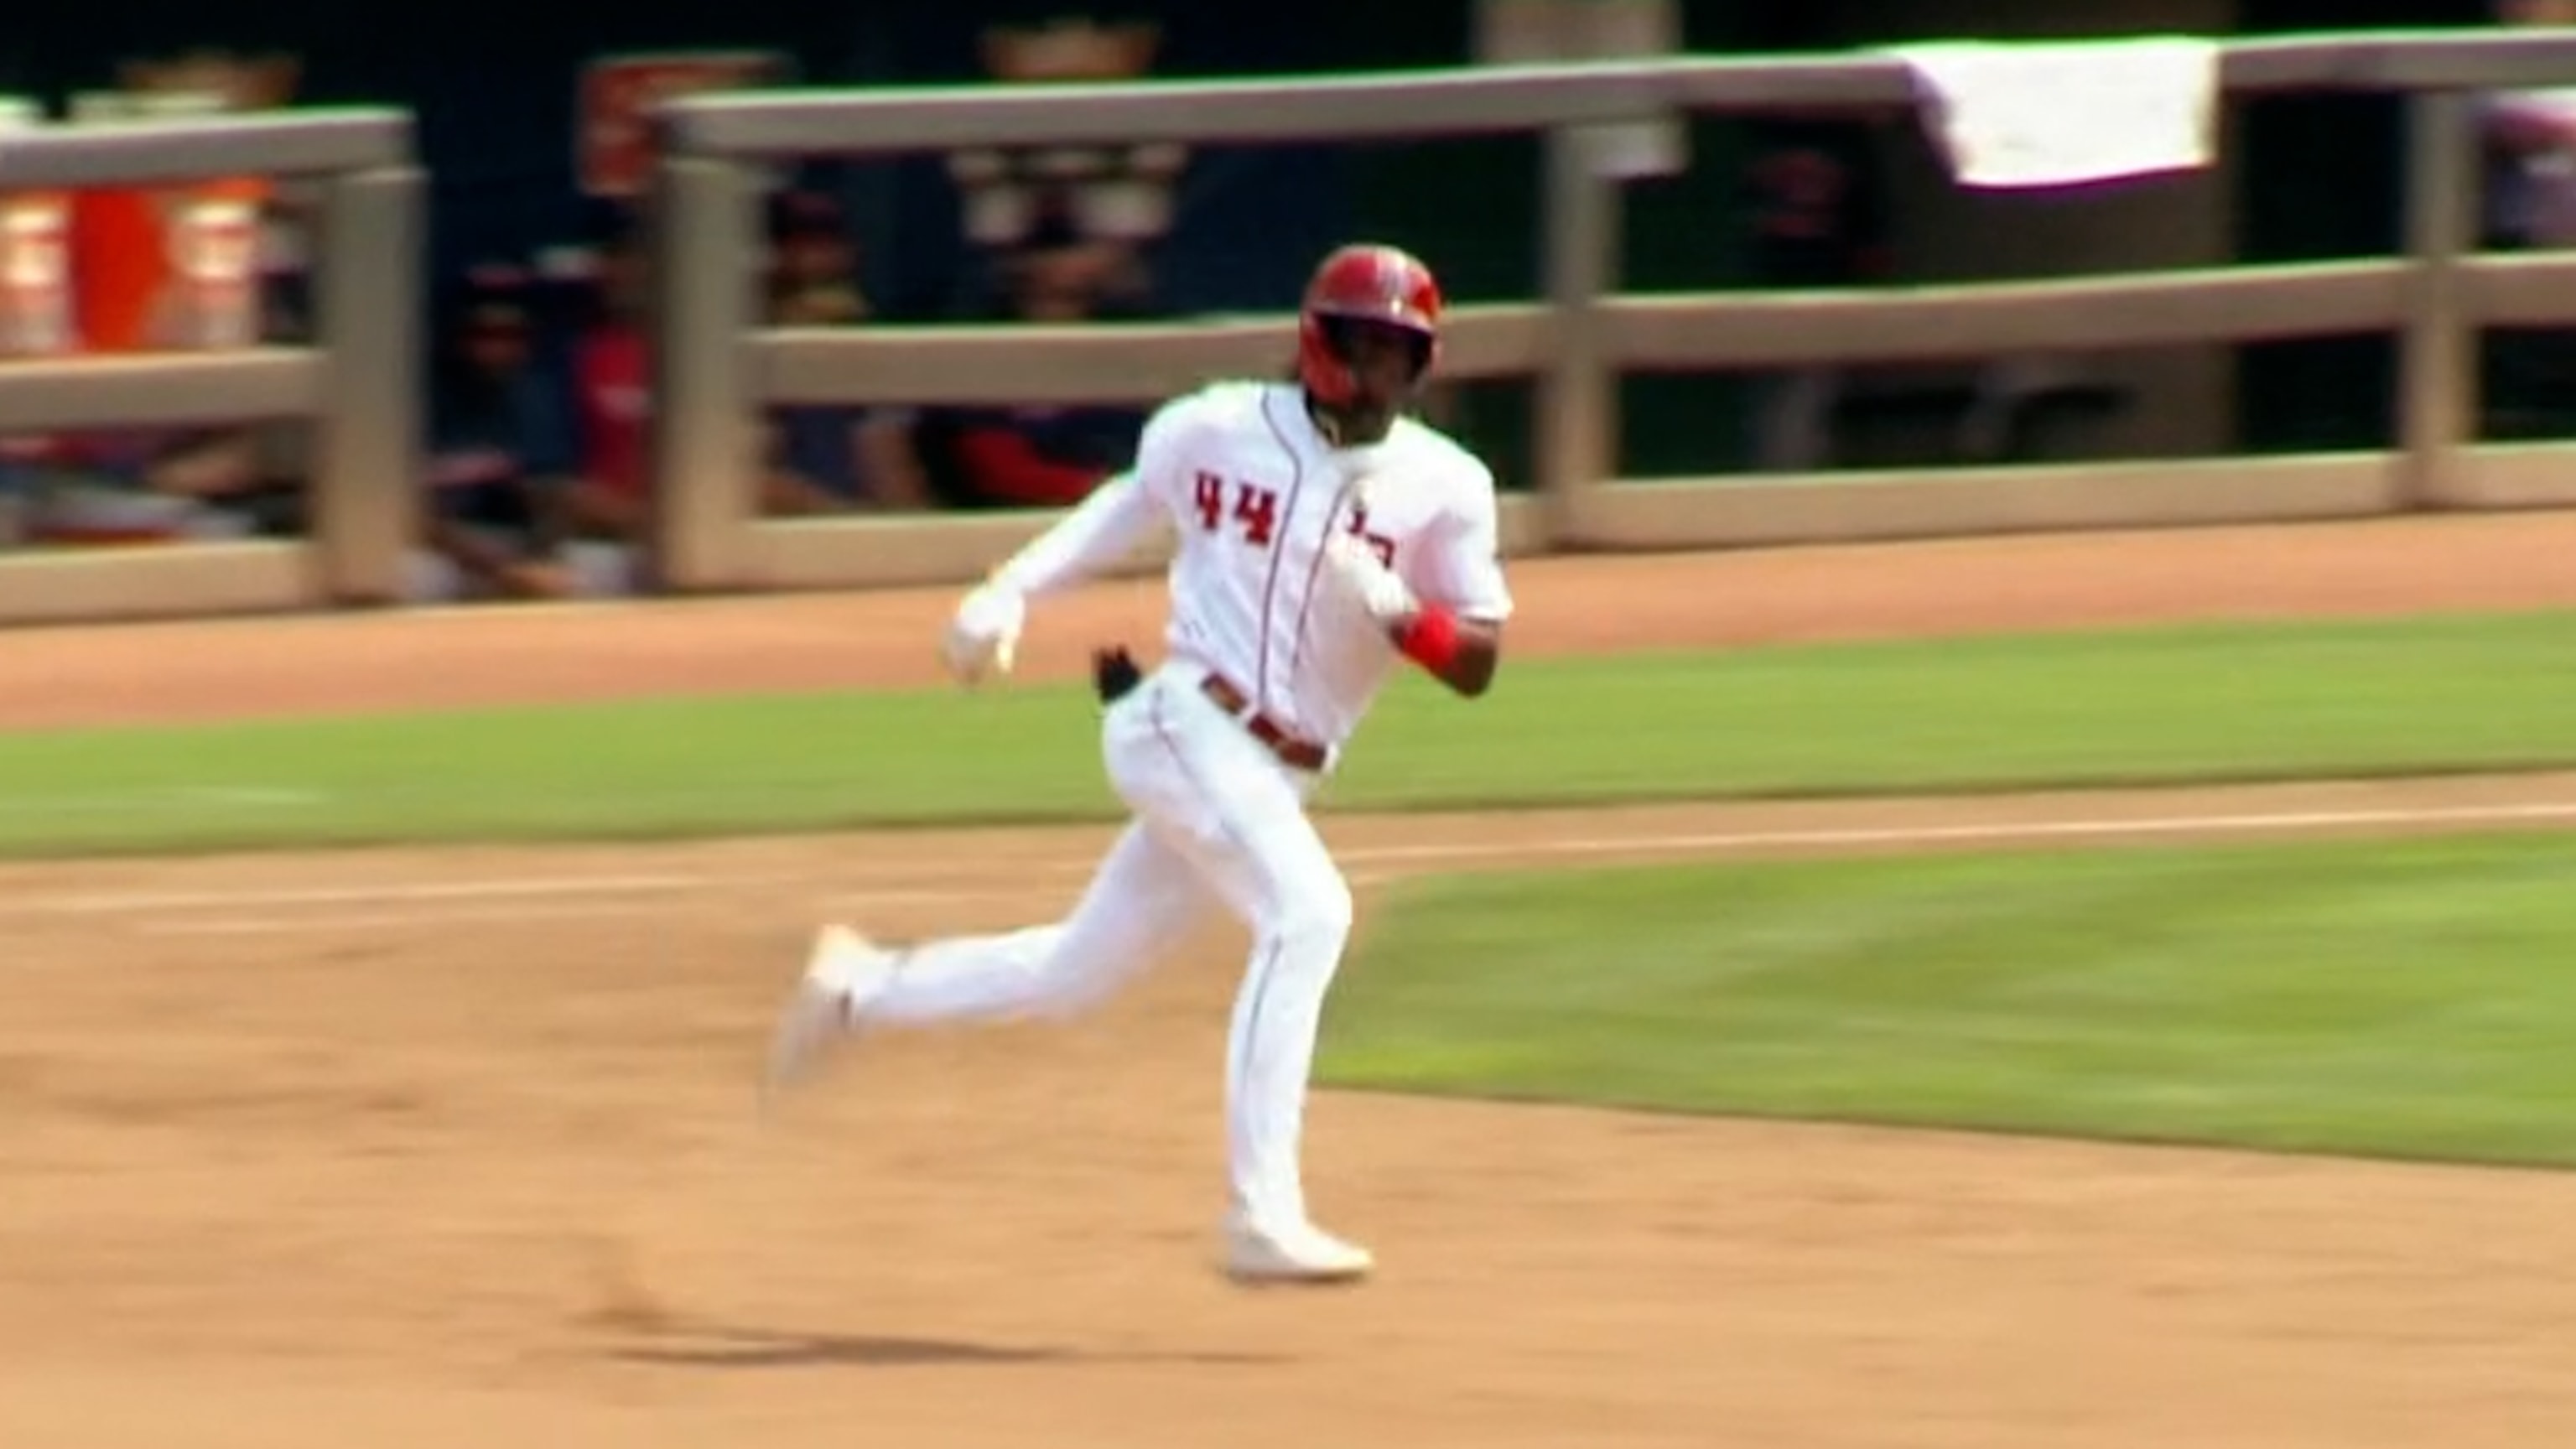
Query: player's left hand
(1367, 582)
(983, 636)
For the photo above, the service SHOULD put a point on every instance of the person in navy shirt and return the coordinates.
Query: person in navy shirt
(1042, 455)
(502, 448)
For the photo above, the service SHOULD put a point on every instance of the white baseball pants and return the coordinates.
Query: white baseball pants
(1219, 823)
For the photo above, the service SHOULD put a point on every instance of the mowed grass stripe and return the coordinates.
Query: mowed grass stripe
(2208, 704)
(2405, 998)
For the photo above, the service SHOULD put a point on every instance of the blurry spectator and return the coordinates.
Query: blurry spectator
(501, 455)
(1043, 455)
(158, 485)
(1819, 212)
(825, 457)
(1819, 204)
(814, 264)
(2531, 148)
(2530, 204)
(612, 380)
(607, 508)
(1006, 195)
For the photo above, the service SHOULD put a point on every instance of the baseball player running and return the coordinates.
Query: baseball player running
(1322, 536)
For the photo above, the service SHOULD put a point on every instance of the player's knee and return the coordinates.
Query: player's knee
(1320, 918)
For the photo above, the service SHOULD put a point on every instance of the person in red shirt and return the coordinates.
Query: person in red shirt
(612, 384)
(612, 365)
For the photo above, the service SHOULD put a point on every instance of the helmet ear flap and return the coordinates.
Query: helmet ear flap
(1320, 367)
(1426, 354)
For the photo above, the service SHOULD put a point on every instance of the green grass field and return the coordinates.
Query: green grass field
(2408, 998)
(2400, 998)
(2165, 706)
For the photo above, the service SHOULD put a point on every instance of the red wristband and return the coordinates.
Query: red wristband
(1430, 639)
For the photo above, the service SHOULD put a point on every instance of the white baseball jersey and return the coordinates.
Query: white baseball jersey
(1254, 489)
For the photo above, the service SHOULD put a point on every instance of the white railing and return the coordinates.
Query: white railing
(720, 366)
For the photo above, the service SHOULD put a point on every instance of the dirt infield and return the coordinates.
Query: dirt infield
(393, 1147)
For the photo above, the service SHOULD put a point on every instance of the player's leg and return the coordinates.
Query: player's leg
(1141, 901)
(1300, 913)
(1214, 795)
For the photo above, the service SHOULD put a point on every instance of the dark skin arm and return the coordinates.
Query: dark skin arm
(591, 511)
(519, 578)
(1480, 652)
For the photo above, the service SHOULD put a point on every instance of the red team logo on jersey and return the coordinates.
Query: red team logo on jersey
(1382, 545)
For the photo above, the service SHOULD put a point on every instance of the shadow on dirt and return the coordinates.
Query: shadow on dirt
(723, 1346)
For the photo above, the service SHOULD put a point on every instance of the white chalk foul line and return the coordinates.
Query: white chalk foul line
(117, 902)
(1999, 833)
(450, 914)
(136, 802)
(535, 890)
(498, 912)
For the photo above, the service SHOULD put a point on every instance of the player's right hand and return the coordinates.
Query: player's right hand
(1366, 581)
(983, 636)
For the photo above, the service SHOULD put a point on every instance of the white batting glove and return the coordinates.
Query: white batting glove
(983, 638)
(1366, 582)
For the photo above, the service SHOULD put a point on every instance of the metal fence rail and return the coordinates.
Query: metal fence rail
(720, 366)
(357, 385)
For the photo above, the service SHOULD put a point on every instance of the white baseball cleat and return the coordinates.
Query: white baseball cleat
(842, 975)
(1290, 1253)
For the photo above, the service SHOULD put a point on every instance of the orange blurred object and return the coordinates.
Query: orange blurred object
(166, 268)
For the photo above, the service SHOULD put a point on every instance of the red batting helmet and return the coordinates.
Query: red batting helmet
(1362, 282)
